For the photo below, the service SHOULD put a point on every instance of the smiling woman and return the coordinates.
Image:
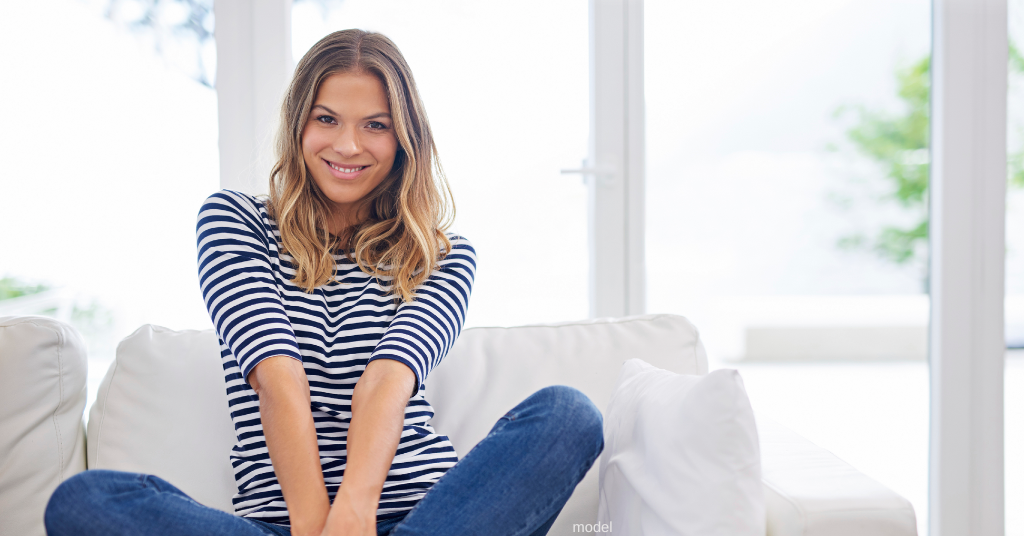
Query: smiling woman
(333, 300)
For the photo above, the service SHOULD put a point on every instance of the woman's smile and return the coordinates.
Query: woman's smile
(345, 171)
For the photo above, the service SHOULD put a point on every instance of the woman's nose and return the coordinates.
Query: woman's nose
(347, 143)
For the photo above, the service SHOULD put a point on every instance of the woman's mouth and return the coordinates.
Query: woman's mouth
(345, 171)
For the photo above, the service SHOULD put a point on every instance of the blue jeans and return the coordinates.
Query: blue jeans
(514, 482)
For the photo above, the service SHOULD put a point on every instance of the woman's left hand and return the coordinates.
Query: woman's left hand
(351, 517)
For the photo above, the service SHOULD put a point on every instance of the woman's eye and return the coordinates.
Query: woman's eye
(325, 119)
(377, 125)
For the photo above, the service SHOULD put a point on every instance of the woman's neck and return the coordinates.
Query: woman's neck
(344, 219)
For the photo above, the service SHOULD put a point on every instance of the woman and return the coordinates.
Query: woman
(333, 300)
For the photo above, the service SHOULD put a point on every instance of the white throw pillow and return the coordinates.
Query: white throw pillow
(681, 456)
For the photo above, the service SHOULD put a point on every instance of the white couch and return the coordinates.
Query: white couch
(162, 409)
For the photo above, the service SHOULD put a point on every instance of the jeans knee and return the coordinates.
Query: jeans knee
(83, 495)
(575, 414)
(62, 503)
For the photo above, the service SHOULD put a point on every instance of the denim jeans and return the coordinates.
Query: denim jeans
(513, 483)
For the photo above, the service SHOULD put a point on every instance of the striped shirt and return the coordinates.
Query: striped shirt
(334, 331)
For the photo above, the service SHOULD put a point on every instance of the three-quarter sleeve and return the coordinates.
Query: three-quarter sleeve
(424, 329)
(237, 280)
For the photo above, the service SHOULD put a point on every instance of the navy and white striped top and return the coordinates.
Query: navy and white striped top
(335, 331)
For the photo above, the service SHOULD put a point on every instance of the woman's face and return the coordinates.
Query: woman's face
(349, 142)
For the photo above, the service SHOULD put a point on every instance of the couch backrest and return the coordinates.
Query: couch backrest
(162, 408)
(490, 370)
(43, 373)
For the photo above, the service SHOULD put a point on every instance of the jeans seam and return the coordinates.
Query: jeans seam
(146, 482)
(580, 474)
(577, 479)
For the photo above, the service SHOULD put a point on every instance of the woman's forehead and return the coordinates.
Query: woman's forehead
(347, 93)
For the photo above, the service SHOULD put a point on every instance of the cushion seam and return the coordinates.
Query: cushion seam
(696, 360)
(799, 509)
(60, 403)
(103, 410)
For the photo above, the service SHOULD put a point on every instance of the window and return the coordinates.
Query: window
(773, 217)
(109, 151)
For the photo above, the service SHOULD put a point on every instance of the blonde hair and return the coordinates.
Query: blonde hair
(403, 238)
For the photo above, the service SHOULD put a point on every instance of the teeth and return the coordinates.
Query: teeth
(345, 170)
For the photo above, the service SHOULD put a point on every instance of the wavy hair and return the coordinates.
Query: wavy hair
(403, 238)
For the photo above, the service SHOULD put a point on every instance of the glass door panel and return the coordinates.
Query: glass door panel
(787, 167)
(109, 150)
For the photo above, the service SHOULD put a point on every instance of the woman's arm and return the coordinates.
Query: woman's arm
(416, 340)
(378, 415)
(283, 390)
(239, 283)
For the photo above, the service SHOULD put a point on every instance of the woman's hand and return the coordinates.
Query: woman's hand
(351, 516)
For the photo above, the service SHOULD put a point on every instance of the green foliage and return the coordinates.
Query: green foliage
(898, 143)
(900, 245)
(90, 318)
(1016, 59)
(1015, 159)
(890, 139)
(13, 288)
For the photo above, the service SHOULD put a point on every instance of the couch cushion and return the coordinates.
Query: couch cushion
(156, 411)
(490, 370)
(43, 371)
(162, 409)
(681, 456)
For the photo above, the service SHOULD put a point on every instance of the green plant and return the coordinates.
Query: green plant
(898, 144)
(91, 318)
(14, 288)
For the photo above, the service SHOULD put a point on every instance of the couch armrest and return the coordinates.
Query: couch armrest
(811, 492)
(43, 371)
